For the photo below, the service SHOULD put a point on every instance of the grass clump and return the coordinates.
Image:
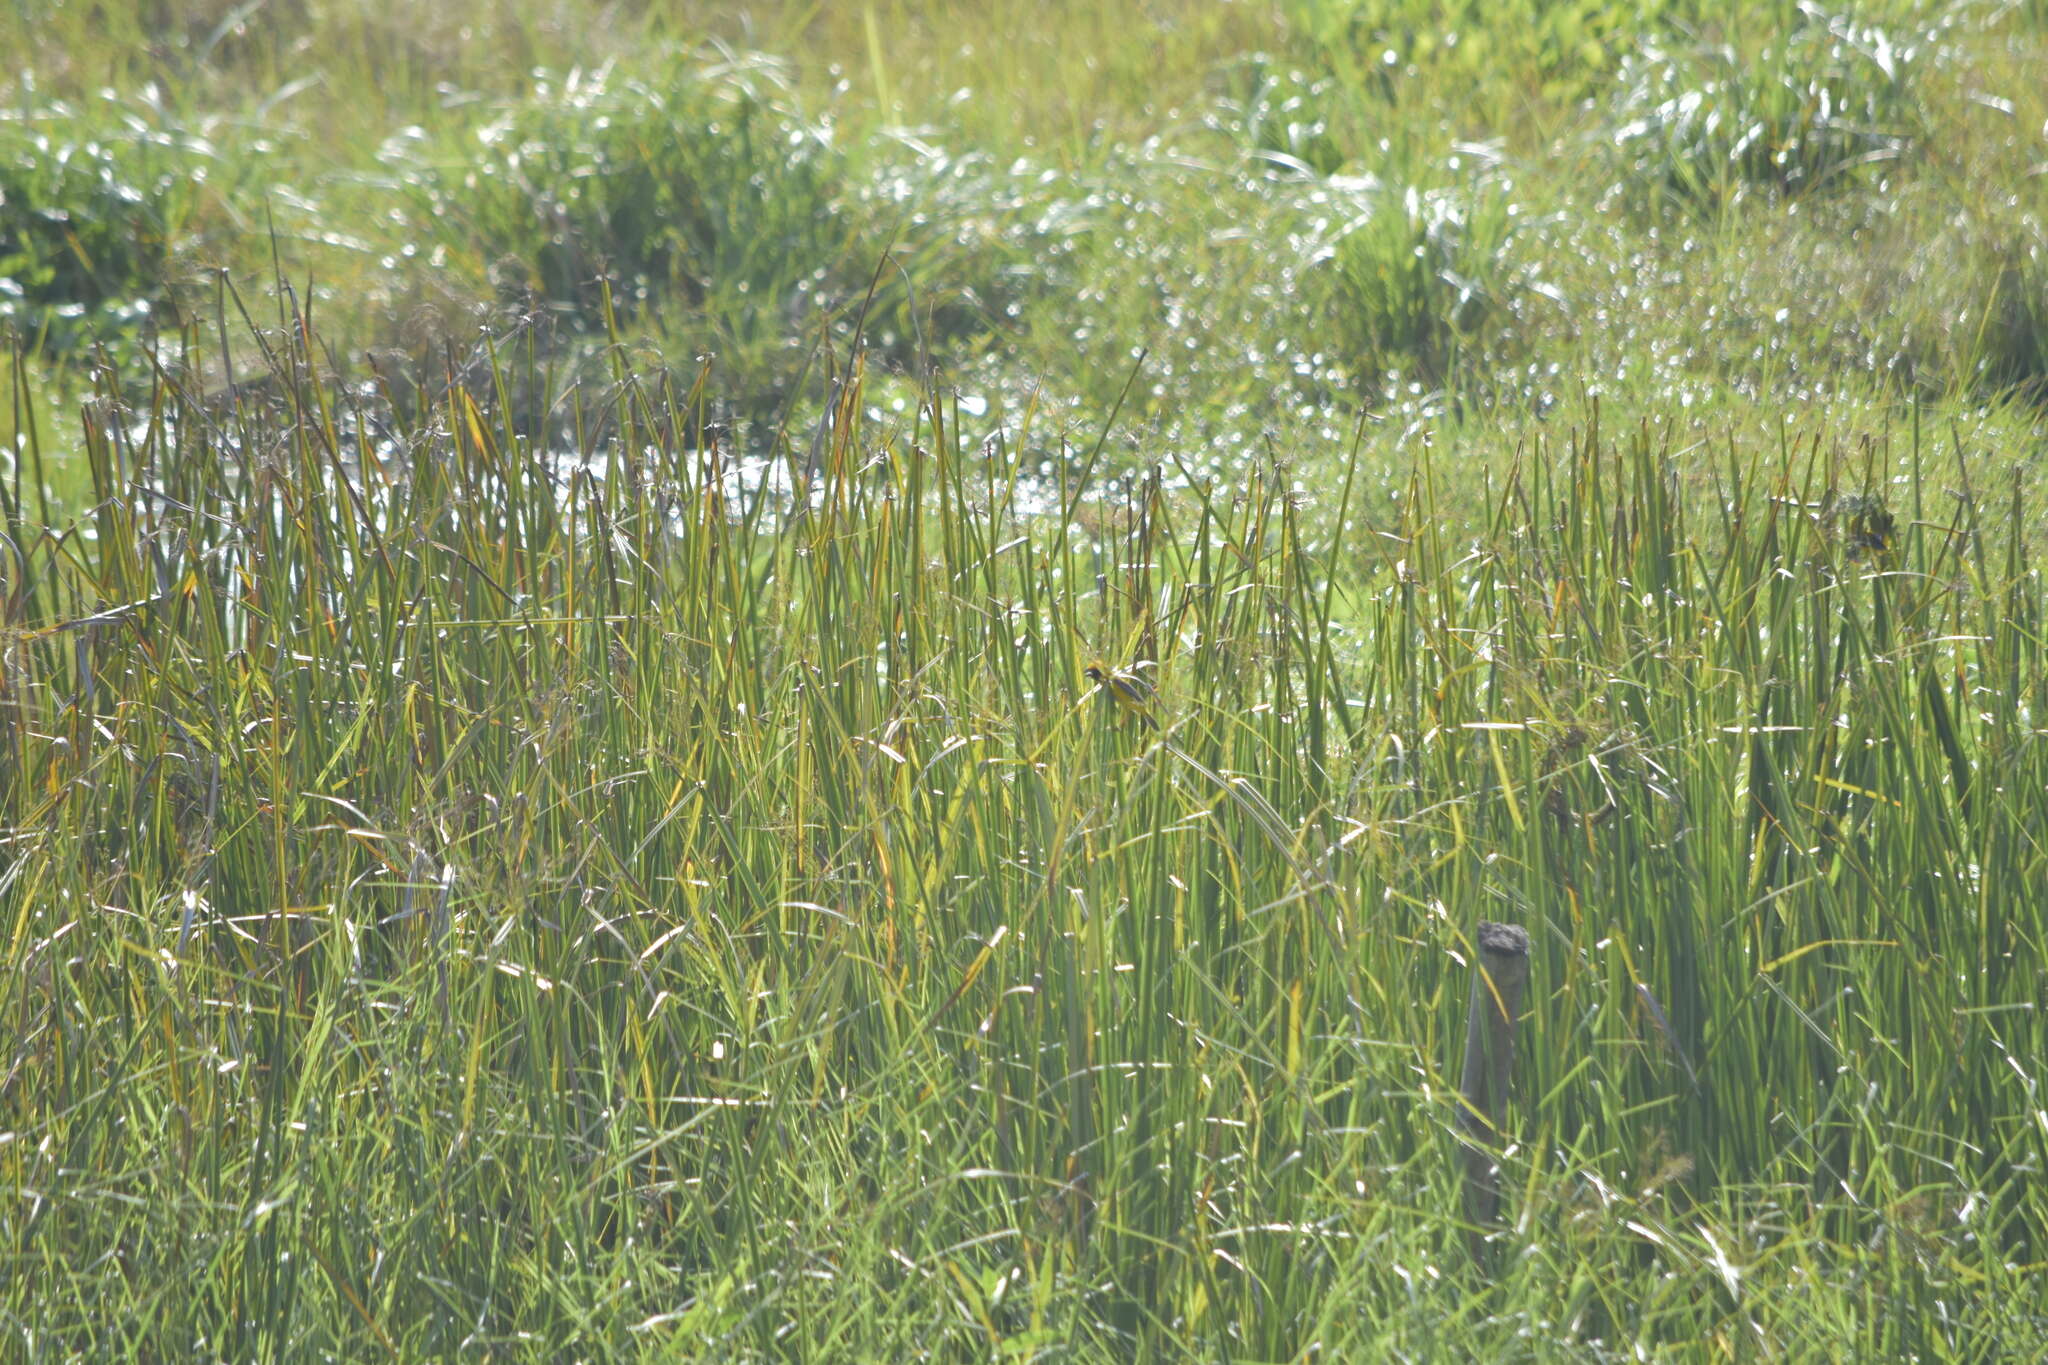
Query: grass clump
(693, 186)
(1424, 285)
(93, 203)
(1788, 109)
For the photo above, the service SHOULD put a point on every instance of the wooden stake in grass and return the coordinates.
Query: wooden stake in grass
(1497, 980)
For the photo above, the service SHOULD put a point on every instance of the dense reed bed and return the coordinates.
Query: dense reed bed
(499, 871)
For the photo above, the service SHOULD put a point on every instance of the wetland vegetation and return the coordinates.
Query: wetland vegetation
(552, 806)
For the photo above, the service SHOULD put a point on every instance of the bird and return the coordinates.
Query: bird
(1129, 691)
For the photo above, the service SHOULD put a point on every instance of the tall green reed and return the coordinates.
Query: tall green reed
(466, 891)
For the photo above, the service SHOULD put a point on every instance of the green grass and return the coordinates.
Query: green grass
(509, 908)
(562, 816)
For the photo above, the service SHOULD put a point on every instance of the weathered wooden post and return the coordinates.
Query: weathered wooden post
(1497, 981)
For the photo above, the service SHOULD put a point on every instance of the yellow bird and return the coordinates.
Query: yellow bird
(1129, 691)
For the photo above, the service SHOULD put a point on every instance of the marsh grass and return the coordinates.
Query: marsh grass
(1052, 188)
(465, 899)
(550, 805)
